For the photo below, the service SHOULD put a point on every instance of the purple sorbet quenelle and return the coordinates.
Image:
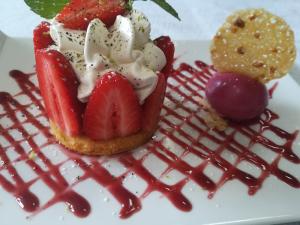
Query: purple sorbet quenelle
(236, 97)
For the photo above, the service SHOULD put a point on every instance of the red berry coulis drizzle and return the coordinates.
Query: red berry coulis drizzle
(182, 132)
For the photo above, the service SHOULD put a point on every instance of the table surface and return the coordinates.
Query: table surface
(199, 18)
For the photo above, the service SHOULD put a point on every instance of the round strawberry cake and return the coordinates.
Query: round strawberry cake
(101, 76)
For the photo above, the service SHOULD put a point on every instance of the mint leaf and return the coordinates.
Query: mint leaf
(49, 8)
(167, 7)
(129, 5)
(162, 3)
(46, 8)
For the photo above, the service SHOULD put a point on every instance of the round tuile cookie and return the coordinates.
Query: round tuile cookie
(256, 43)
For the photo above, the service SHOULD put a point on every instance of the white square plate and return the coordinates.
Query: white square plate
(274, 202)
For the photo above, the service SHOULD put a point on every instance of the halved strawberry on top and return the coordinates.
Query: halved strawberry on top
(78, 13)
(113, 109)
(153, 105)
(167, 46)
(41, 36)
(58, 85)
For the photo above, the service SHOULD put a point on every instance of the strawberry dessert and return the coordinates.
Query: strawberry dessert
(101, 77)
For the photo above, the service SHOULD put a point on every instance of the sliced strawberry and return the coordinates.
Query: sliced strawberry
(78, 13)
(167, 46)
(41, 36)
(153, 105)
(58, 85)
(113, 109)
